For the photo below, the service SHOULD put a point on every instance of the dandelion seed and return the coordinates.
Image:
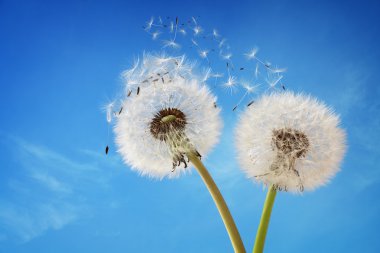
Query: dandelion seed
(194, 20)
(250, 103)
(257, 70)
(216, 75)
(182, 31)
(222, 43)
(203, 53)
(274, 82)
(252, 54)
(206, 75)
(278, 70)
(155, 35)
(194, 42)
(149, 24)
(197, 30)
(215, 33)
(171, 44)
(290, 141)
(226, 57)
(250, 88)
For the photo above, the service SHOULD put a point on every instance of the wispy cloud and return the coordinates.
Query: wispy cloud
(48, 190)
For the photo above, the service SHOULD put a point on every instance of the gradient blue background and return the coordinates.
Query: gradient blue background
(60, 62)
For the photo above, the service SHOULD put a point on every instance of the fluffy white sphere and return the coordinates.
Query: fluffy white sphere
(291, 141)
(198, 131)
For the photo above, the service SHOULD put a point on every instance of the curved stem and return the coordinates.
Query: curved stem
(264, 222)
(220, 204)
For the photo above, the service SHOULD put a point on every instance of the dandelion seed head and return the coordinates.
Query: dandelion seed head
(290, 141)
(167, 120)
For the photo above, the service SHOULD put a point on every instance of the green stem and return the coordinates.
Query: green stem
(264, 222)
(220, 204)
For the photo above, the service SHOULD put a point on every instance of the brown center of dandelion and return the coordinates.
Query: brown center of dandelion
(167, 121)
(291, 142)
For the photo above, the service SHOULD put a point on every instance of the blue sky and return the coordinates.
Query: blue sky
(60, 62)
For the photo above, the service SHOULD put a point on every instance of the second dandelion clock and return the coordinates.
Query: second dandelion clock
(290, 141)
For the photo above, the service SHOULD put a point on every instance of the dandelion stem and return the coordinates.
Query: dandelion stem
(264, 222)
(220, 204)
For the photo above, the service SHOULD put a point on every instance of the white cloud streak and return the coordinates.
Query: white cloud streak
(49, 190)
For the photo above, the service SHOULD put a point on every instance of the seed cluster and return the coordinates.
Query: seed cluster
(290, 142)
(168, 125)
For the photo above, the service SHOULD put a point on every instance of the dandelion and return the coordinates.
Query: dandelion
(291, 143)
(169, 125)
(163, 124)
(167, 121)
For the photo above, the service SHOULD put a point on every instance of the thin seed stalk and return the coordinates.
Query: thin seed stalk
(264, 222)
(229, 223)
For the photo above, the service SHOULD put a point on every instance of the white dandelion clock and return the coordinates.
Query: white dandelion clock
(164, 123)
(172, 121)
(290, 141)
